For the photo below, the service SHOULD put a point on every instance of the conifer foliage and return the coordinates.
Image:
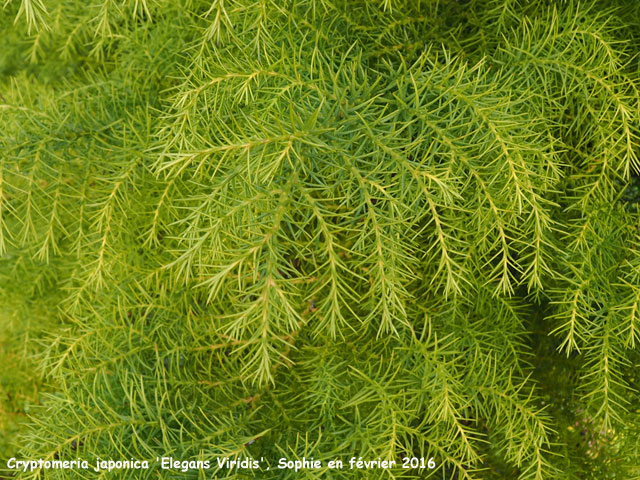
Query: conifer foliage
(328, 229)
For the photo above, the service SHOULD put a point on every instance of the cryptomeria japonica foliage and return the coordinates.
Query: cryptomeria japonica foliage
(323, 228)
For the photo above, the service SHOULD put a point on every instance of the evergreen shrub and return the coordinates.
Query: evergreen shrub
(324, 229)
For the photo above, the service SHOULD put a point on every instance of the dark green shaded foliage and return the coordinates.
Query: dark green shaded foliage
(326, 228)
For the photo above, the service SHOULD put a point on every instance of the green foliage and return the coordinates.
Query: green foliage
(20, 383)
(326, 228)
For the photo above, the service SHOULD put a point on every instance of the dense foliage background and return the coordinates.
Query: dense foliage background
(321, 228)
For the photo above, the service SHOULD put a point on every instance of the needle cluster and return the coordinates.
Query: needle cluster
(328, 229)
